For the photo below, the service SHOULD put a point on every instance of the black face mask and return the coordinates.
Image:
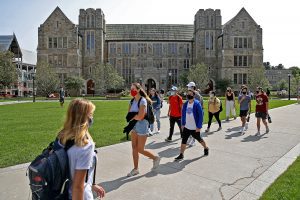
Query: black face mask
(189, 97)
(244, 92)
(257, 92)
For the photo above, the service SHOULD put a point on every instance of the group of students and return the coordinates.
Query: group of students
(188, 116)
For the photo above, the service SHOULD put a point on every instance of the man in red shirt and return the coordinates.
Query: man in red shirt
(262, 107)
(174, 112)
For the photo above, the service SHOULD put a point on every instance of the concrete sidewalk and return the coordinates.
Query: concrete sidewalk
(238, 167)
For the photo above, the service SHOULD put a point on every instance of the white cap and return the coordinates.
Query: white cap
(174, 88)
(191, 84)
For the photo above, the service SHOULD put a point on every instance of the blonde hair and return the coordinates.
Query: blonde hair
(77, 122)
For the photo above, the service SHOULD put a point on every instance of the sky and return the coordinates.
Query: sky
(278, 19)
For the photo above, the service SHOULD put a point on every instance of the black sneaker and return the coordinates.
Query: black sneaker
(206, 151)
(180, 157)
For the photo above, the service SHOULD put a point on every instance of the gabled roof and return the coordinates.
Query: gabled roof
(236, 16)
(57, 9)
(153, 32)
(10, 43)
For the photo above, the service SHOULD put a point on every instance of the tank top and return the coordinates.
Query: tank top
(229, 98)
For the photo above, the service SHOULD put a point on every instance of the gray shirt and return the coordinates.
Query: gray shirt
(244, 105)
(83, 158)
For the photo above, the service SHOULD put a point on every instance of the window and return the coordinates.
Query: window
(55, 42)
(235, 61)
(93, 21)
(240, 43)
(127, 72)
(209, 40)
(235, 78)
(142, 63)
(50, 43)
(126, 48)
(245, 79)
(112, 61)
(245, 61)
(186, 64)
(112, 48)
(235, 45)
(245, 43)
(172, 48)
(157, 63)
(172, 63)
(188, 49)
(157, 49)
(59, 42)
(250, 42)
(57, 23)
(240, 60)
(65, 42)
(142, 48)
(50, 59)
(173, 80)
(90, 41)
(240, 78)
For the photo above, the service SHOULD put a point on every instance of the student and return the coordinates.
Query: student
(230, 103)
(155, 98)
(61, 96)
(192, 86)
(81, 155)
(174, 112)
(214, 109)
(245, 107)
(139, 132)
(192, 119)
(262, 107)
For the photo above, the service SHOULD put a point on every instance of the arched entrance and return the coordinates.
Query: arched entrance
(90, 86)
(150, 84)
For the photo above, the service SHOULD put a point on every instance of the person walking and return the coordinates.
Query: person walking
(174, 112)
(192, 86)
(214, 109)
(61, 96)
(245, 107)
(138, 106)
(262, 107)
(230, 103)
(82, 158)
(155, 98)
(192, 119)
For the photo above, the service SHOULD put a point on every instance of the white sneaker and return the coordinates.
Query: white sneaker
(156, 162)
(150, 133)
(158, 132)
(133, 173)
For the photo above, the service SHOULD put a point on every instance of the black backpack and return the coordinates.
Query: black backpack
(49, 173)
(150, 115)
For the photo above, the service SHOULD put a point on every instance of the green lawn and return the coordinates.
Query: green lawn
(287, 186)
(25, 129)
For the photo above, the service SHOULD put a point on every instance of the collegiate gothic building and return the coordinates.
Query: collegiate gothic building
(152, 54)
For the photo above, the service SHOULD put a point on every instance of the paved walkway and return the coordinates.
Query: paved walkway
(238, 167)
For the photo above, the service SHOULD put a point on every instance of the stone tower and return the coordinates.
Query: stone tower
(207, 28)
(92, 27)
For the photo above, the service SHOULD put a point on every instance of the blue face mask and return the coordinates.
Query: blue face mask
(91, 122)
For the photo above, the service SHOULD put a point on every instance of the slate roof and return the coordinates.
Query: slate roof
(5, 42)
(150, 32)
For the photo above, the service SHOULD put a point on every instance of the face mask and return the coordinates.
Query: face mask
(189, 97)
(133, 93)
(244, 92)
(91, 122)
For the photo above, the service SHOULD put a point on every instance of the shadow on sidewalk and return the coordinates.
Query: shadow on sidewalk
(158, 145)
(235, 132)
(234, 129)
(254, 138)
(170, 152)
(117, 183)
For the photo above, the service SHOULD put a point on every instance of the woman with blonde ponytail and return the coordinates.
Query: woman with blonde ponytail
(81, 155)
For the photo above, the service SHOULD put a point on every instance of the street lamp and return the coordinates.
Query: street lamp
(33, 86)
(141, 81)
(170, 74)
(289, 75)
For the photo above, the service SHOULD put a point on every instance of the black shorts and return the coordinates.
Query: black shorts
(261, 115)
(187, 133)
(62, 100)
(243, 113)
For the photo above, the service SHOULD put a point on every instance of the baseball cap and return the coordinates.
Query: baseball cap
(191, 84)
(174, 88)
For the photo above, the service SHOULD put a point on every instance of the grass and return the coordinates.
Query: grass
(286, 186)
(25, 129)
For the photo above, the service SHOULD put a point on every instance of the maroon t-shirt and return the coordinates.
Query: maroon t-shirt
(261, 101)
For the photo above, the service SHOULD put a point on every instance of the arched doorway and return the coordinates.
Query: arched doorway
(90, 86)
(150, 84)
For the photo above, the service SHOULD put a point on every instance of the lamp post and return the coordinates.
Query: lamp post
(141, 81)
(170, 75)
(289, 75)
(33, 85)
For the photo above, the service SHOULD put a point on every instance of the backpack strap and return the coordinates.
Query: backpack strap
(131, 101)
(87, 171)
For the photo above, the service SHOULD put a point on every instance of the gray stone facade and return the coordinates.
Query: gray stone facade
(155, 54)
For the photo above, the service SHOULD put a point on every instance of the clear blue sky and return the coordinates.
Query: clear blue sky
(279, 19)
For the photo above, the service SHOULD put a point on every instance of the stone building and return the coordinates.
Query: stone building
(274, 76)
(152, 54)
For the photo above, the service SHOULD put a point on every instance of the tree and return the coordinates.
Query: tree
(267, 65)
(106, 77)
(8, 70)
(282, 85)
(223, 84)
(295, 84)
(183, 79)
(46, 79)
(257, 78)
(280, 66)
(199, 74)
(295, 70)
(74, 84)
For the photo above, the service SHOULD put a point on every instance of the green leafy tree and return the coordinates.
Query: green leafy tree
(257, 78)
(46, 79)
(295, 84)
(8, 70)
(295, 70)
(223, 84)
(74, 84)
(183, 79)
(199, 74)
(282, 85)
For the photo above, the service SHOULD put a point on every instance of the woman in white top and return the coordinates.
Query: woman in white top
(82, 158)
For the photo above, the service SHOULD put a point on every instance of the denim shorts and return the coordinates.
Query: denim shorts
(141, 127)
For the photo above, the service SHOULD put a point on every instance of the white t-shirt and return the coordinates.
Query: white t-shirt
(190, 121)
(83, 158)
(134, 106)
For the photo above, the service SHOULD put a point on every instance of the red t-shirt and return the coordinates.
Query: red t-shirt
(261, 101)
(175, 105)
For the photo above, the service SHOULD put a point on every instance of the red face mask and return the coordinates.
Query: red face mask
(133, 93)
